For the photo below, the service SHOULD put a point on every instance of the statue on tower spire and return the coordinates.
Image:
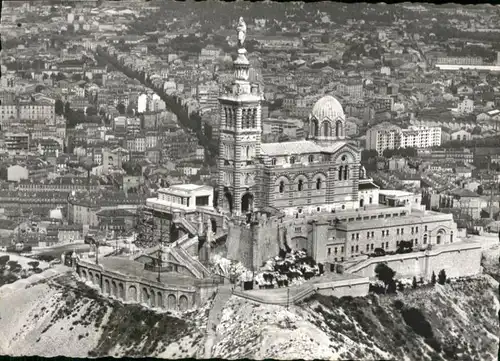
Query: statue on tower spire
(242, 32)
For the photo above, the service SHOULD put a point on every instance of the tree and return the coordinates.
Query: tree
(67, 108)
(367, 155)
(59, 107)
(401, 286)
(385, 274)
(414, 282)
(45, 76)
(130, 109)
(388, 153)
(75, 117)
(60, 76)
(433, 278)
(90, 111)
(34, 264)
(391, 287)
(476, 131)
(14, 266)
(442, 277)
(480, 190)
(121, 108)
(404, 247)
(3, 262)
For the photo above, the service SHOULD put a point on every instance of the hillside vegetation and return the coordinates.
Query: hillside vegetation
(65, 317)
(62, 316)
(456, 321)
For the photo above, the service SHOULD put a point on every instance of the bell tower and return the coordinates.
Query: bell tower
(240, 137)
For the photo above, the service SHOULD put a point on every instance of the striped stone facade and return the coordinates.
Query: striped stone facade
(320, 173)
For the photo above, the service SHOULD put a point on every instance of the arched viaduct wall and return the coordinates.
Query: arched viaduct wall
(153, 294)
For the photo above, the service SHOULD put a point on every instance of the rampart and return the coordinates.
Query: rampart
(140, 290)
(461, 259)
(344, 286)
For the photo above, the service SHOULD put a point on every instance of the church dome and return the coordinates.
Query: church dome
(327, 107)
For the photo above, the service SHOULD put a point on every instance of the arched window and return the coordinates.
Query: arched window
(282, 187)
(315, 127)
(254, 116)
(273, 161)
(451, 237)
(318, 183)
(311, 158)
(425, 239)
(326, 130)
(346, 173)
(292, 160)
(301, 185)
(337, 129)
(340, 172)
(248, 151)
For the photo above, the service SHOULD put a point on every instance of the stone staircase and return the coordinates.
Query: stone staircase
(196, 266)
(180, 241)
(188, 226)
(214, 317)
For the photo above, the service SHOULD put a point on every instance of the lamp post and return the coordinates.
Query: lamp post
(160, 250)
(96, 244)
(159, 265)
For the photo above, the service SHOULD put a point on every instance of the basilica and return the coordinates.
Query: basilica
(320, 173)
(311, 194)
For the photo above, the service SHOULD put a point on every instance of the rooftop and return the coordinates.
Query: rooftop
(301, 146)
(186, 189)
(415, 217)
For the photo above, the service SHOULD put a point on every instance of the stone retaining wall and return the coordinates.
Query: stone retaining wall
(458, 260)
(144, 291)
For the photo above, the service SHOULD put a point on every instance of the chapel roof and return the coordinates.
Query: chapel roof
(327, 107)
(300, 147)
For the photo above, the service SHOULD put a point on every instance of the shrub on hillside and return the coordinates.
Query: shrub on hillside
(34, 264)
(433, 278)
(14, 266)
(442, 277)
(414, 318)
(386, 275)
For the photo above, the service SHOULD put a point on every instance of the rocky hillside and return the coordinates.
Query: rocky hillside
(61, 316)
(456, 321)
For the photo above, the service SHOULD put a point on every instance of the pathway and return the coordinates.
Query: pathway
(214, 317)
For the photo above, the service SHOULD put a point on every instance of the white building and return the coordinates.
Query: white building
(16, 173)
(185, 197)
(142, 103)
(388, 136)
(466, 106)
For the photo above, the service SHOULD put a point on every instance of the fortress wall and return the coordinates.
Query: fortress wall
(239, 244)
(352, 288)
(254, 245)
(461, 263)
(266, 242)
(457, 261)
